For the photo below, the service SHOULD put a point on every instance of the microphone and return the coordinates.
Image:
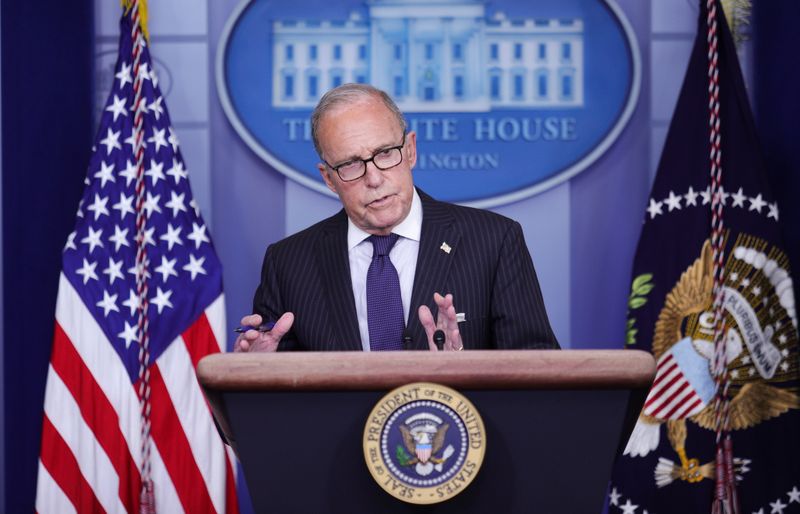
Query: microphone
(408, 339)
(438, 338)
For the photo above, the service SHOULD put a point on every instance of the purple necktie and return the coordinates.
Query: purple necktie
(384, 303)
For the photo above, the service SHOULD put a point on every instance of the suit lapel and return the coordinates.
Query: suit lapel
(333, 261)
(439, 232)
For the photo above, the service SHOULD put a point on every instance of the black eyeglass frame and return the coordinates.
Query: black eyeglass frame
(371, 159)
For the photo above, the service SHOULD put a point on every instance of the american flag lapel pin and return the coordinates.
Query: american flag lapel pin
(445, 248)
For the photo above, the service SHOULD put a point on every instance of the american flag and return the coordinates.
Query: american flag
(92, 457)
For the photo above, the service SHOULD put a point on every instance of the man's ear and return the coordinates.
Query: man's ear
(324, 171)
(411, 148)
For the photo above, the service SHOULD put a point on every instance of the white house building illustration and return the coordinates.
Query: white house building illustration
(432, 55)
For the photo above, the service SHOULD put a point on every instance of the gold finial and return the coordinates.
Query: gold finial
(127, 4)
(738, 14)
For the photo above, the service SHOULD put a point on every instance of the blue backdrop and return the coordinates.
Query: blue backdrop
(48, 51)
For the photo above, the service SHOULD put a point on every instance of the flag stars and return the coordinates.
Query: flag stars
(158, 138)
(131, 140)
(132, 302)
(198, 235)
(691, 197)
(167, 269)
(87, 271)
(706, 195)
(777, 506)
(173, 140)
(71, 242)
(134, 270)
(117, 107)
(129, 334)
(193, 205)
(155, 172)
(172, 236)
(613, 497)
(794, 495)
(722, 196)
(114, 270)
(784, 366)
(756, 291)
(782, 338)
(151, 204)
(144, 74)
(108, 303)
(93, 239)
(673, 201)
(746, 359)
(195, 266)
(745, 282)
(733, 276)
(111, 141)
(161, 299)
(177, 171)
(757, 203)
(106, 174)
(738, 198)
(773, 211)
(124, 75)
(129, 173)
(654, 209)
(735, 374)
(176, 203)
(120, 237)
(628, 508)
(99, 206)
(124, 206)
(157, 110)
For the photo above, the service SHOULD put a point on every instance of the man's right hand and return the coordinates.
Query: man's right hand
(255, 341)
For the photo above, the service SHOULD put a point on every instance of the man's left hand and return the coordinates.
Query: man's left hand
(445, 321)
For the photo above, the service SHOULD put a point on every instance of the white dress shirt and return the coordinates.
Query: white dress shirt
(403, 255)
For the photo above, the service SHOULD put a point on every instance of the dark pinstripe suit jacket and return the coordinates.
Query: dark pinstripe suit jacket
(488, 270)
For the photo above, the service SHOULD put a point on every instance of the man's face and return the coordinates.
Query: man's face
(380, 200)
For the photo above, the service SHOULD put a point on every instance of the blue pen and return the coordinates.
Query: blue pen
(264, 327)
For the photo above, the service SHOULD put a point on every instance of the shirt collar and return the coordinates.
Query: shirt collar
(409, 228)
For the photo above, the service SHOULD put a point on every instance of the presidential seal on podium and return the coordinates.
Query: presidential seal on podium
(424, 443)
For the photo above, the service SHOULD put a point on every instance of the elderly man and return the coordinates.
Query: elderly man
(370, 277)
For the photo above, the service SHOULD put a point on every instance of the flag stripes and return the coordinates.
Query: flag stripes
(93, 464)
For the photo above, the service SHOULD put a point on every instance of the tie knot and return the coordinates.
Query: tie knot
(382, 245)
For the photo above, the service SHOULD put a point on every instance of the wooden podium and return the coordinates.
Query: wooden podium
(554, 421)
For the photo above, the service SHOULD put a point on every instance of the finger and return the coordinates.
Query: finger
(426, 319)
(282, 326)
(241, 344)
(252, 320)
(455, 339)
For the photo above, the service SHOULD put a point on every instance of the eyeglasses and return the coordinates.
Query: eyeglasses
(382, 159)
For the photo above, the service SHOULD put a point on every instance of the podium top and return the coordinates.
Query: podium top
(477, 369)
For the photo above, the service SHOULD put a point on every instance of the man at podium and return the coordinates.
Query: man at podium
(394, 269)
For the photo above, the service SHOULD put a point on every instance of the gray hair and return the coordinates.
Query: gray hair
(348, 94)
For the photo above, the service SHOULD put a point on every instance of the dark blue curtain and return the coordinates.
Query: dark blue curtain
(776, 44)
(47, 110)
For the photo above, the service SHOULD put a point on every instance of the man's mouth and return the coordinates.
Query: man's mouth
(380, 202)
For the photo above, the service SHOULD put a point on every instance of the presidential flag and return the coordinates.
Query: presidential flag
(126, 426)
(712, 298)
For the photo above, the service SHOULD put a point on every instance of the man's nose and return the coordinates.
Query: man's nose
(373, 176)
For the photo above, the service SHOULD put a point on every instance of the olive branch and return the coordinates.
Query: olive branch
(640, 288)
(402, 456)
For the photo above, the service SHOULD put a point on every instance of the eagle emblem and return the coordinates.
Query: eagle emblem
(760, 342)
(424, 436)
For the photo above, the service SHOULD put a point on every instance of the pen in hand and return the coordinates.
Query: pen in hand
(264, 327)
